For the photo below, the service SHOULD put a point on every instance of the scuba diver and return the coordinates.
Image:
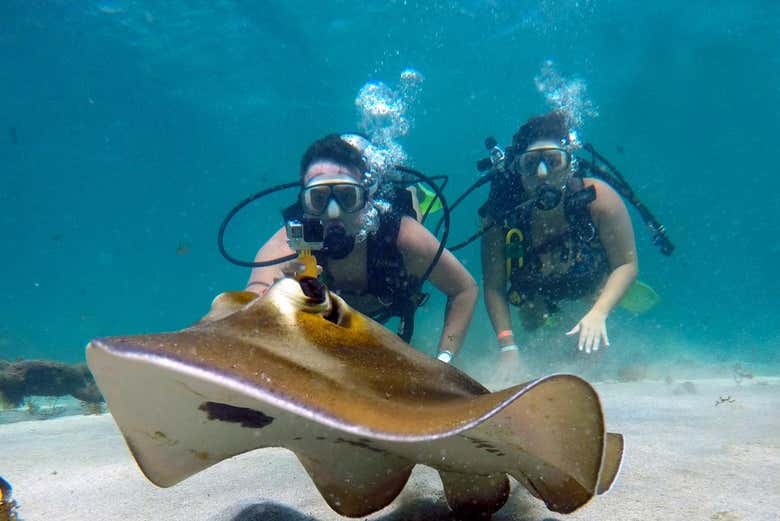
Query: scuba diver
(551, 234)
(369, 246)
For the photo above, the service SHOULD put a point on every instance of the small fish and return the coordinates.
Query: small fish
(183, 248)
(13, 135)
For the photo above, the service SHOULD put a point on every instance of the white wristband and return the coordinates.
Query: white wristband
(510, 347)
(445, 356)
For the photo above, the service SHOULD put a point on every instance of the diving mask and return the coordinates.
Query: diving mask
(555, 160)
(348, 193)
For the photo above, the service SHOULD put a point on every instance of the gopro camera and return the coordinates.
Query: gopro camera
(305, 234)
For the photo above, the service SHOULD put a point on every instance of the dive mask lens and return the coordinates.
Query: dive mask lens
(351, 197)
(315, 199)
(555, 159)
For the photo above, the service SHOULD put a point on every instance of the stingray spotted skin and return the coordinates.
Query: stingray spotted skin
(300, 369)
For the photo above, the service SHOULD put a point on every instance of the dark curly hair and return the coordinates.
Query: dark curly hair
(333, 148)
(550, 126)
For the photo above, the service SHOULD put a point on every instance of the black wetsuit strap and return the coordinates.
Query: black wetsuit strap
(385, 263)
(576, 207)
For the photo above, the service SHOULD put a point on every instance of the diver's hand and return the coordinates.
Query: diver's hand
(509, 368)
(593, 330)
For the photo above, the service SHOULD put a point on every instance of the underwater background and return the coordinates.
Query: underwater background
(129, 128)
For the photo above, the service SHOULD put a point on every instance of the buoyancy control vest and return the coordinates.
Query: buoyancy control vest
(579, 245)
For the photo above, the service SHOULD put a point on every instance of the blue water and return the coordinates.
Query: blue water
(130, 127)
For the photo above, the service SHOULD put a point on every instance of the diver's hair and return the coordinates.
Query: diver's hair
(333, 148)
(550, 126)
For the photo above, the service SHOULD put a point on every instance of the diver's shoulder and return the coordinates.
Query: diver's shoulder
(279, 237)
(607, 198)
(408, 226)
(411, 234)
(277, 243)
(603, 189)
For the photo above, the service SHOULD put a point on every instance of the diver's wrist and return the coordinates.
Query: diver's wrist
(601, 308)
(505, 338)
(504, 333)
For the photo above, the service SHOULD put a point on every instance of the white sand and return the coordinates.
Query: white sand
(687, 459)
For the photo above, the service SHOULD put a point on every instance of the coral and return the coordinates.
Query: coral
(32, 408)
(5, 403)
(51, 409)
(92, 408)
(46, 378)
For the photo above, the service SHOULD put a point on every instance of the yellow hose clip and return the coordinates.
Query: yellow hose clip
(309, 262)
(513, 249)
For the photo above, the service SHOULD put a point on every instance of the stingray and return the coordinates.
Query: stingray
(300, 369)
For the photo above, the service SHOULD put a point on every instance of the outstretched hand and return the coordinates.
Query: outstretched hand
(593, 330)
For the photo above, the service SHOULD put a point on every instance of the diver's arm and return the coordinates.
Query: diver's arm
(262, 278)
(418, 247)
(617, 237)
(494, 282)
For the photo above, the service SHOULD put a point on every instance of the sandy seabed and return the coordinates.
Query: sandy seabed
(686, 459)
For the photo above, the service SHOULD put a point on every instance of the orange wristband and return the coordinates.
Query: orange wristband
(503, 334)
